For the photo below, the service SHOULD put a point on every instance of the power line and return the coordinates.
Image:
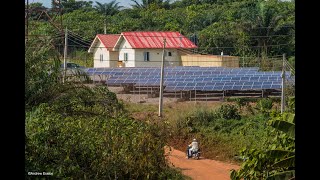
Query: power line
(74, 34)
(83, 41)
(75, 37)
(269, 27)
(75, 42)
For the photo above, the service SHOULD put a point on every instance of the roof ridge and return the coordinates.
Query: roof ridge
(109, 34)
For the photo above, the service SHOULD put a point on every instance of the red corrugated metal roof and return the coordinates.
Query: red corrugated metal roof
(108, 40)
(155, 40)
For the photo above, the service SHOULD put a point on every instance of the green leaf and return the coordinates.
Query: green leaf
(284, 126)
(282, 175)
(289, 117)
(287, 162)
(279, 153)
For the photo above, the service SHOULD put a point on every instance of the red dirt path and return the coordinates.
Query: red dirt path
(202, 169)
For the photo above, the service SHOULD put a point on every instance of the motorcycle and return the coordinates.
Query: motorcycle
(195, 154)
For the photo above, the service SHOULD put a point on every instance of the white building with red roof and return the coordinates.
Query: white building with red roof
(139, 49)
(102, 49)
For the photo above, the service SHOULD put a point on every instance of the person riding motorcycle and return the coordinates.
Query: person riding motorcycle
(193, 147)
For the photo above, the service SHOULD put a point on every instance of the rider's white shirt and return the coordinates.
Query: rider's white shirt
(194, 146)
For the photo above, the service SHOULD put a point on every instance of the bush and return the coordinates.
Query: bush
(78, 132)
(265, 104)
(228, 111)
(95, 147)
(201, 117)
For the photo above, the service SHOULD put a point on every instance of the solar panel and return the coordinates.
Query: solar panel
(236, 87)
(256, 87)
(190, 78)
(267, 82)
(227, 87)
(257, 83)
(266, 86)
(218, 88)
(229, 83)
(207, 88)
(276, 86)
(248, 83)
(246, 87)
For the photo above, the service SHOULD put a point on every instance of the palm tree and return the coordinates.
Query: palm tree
(108, 9)
(146, 3)
(264, 22)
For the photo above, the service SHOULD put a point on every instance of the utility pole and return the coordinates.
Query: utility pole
(27, 23)
(60, 13)
(105, 26)
(161, 79)
(65, 54)
(283, 75)
(105, 20)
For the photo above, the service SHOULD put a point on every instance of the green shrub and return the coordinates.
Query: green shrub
(265, 104)
(228, 111)
(78, 132)
(93, 147)
(201, 117)
(291, 104)
(241, 102)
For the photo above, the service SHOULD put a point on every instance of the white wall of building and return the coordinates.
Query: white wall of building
(101, 50)
(114, 58)
(126, 48)
(155, 58)
(174, 59)
(136, 56)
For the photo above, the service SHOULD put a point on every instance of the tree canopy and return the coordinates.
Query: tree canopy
(241, 28)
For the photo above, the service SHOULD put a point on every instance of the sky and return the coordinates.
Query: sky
(47, 3)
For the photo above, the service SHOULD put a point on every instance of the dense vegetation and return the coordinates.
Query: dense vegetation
(257, 30)
(81, 132)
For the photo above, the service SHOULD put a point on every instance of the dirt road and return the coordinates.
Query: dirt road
(202, 169)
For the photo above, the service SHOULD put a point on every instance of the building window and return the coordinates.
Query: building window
(125, 56)
(101, 57)
(146, 56)
(169, 53)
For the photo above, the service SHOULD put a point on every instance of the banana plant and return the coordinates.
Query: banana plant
(285, 163)
(278, 161)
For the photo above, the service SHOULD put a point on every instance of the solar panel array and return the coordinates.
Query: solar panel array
(194, 78)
